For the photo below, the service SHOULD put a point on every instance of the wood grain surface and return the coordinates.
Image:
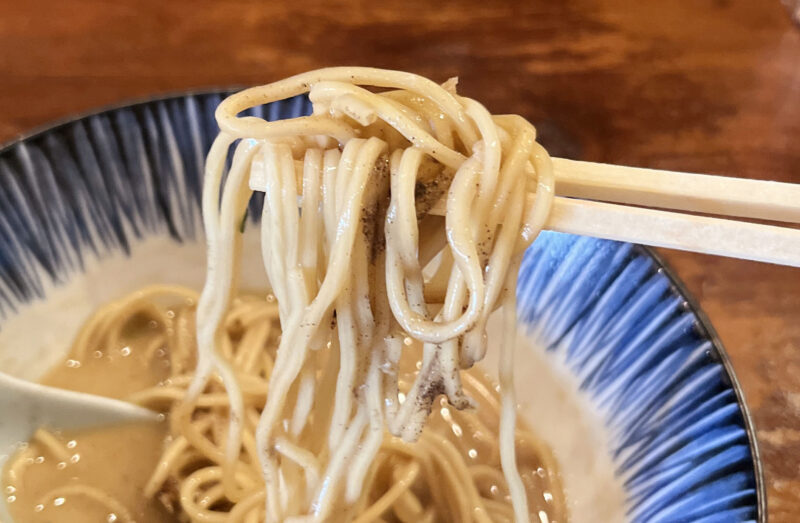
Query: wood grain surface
(697, 85)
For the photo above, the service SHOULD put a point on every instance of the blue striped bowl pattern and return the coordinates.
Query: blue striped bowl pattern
(682, 440)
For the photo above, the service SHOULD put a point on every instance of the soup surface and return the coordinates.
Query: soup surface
(101, 475)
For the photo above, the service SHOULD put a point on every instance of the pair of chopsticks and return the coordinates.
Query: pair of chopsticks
(607, 201)
(595, 199)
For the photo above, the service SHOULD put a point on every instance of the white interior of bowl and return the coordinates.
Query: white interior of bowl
(38, 336)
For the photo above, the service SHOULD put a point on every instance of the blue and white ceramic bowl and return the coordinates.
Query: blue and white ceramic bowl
(618, 370)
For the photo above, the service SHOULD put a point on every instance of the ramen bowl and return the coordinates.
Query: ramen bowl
(617, 369)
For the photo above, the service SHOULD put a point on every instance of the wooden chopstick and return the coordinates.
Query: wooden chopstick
(698, 193)
(721, 237)
(671, 230)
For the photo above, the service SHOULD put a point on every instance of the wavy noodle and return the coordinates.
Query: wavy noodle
(96, 495)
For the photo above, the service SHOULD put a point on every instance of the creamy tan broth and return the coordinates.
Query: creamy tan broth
(117, 462)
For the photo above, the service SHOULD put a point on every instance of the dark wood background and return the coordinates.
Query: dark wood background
(698, 85)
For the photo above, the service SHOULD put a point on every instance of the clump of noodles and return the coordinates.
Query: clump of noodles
(345, 235)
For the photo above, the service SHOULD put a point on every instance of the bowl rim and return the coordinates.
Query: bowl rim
(707, 330)
(703, 323)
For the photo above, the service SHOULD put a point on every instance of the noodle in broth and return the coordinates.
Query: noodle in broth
(161, 474)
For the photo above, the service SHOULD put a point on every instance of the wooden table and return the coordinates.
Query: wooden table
(698, 85)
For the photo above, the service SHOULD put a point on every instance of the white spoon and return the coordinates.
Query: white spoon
(26, 406)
